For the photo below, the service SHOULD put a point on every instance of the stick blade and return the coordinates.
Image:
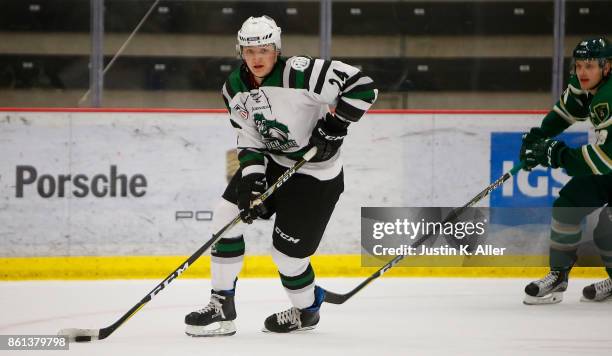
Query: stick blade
(80, 335)
(333, 298)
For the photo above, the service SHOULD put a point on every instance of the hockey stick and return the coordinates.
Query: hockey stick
(84, 335)
(335, 298)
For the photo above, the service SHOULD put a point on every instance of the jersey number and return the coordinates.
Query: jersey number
(341, 75)
(602, 137)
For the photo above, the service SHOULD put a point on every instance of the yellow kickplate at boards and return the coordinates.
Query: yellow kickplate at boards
(158, 267)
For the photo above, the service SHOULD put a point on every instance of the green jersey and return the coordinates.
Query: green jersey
(579, 105)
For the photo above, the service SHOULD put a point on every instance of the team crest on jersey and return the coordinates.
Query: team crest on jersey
(275, 134)
(601, 112)
(300, 63)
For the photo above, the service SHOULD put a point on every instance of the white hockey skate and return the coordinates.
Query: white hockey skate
(548, 290)
(597, 292)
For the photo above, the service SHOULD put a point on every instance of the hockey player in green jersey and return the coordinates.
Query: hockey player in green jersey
(279, 108)
(587, 97)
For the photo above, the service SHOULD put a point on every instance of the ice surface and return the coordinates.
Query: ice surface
(392, 316)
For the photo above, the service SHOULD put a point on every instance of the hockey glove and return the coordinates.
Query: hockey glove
(328, 136)
(249, 188)
(547, 152)
(526, 154)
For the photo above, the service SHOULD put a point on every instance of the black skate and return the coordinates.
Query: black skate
(597, 292)
(548, 290)
(215, 319)
(295, 319)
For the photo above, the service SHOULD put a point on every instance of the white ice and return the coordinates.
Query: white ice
(392, 316)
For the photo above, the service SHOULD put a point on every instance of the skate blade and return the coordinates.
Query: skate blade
(552, 298)
(604, 300)
(289, 332)
(222, 328)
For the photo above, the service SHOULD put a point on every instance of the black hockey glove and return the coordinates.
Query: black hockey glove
(327, 136)
(547, 152)
(526, 154)
(249, 188)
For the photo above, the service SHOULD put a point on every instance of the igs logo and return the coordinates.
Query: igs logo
(537, 188)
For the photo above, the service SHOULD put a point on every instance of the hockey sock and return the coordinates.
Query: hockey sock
(227, 257)
(564, 240)
(297, 276)
(603, 242)
(300, 288)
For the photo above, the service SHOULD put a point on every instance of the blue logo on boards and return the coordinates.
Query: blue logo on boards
(537, 188)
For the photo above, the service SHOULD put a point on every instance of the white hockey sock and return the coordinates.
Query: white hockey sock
(226, 262)
(227, 255)
(297, 276)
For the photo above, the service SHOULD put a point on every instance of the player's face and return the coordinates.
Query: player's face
(589, 73)
(260, 59)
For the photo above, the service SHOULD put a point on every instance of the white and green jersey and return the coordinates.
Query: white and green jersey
(276, 119)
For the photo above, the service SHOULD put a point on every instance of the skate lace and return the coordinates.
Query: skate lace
(604, 286)
(214, 305)
(291, 316)
(549, 280)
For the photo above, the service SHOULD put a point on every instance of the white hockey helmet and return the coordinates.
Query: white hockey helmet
(258, 31)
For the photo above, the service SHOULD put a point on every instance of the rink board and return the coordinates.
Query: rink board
(158, 267)
(79, 185)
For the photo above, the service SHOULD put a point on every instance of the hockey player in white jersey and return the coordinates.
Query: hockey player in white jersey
(280, 108)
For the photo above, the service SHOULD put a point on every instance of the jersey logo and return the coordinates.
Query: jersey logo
(300, 63)
(242, 111)
(601, 112)
(275, 134)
